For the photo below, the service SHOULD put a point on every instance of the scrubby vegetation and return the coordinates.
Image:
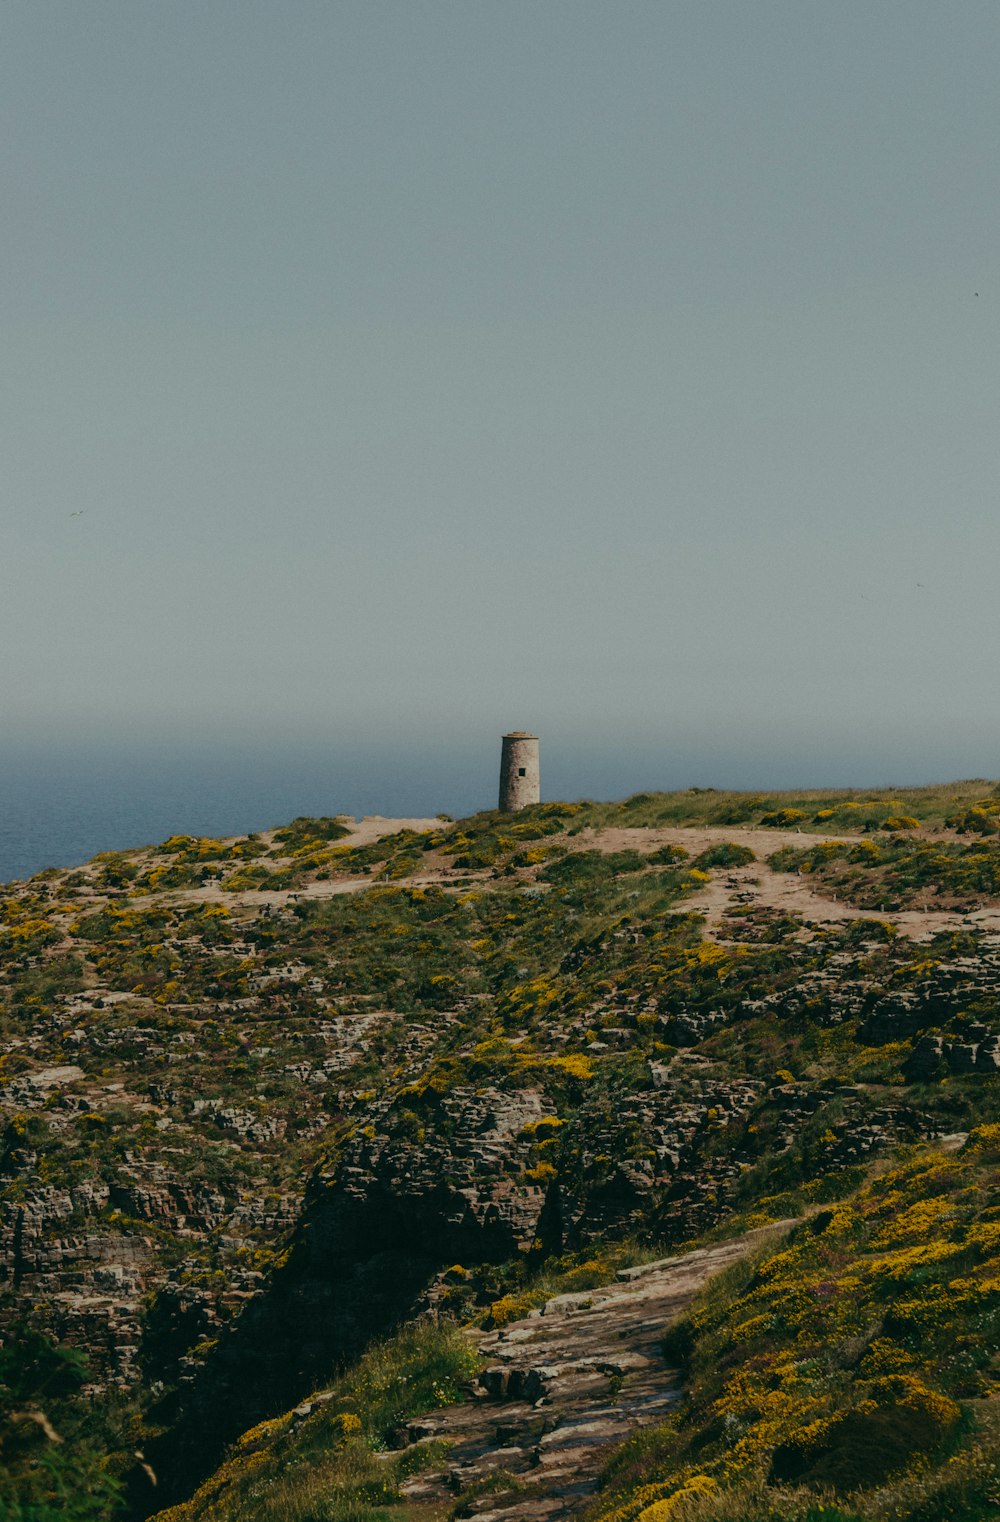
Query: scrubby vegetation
(890, 872)
(859, 1360)
(53, 1453)
(265, 1100)
(329, 1459)
(837, 811)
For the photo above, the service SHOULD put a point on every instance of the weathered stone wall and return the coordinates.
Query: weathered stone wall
(520, 782)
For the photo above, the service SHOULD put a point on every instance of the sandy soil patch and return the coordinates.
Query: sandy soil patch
(754, 886)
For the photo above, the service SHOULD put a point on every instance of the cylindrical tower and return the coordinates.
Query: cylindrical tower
(519, 776)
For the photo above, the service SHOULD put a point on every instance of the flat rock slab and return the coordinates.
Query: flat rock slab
(562, 1388)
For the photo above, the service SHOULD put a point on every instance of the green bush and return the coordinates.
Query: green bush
(725, 854)
(50, 1467)
(900, 1420)
(333, 1464)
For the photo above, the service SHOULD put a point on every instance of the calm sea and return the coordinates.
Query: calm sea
(60, 806)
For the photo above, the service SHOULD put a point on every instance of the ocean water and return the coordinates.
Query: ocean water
(62, 802)
(60, 805)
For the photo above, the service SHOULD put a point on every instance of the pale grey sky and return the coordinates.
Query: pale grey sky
(625, 371)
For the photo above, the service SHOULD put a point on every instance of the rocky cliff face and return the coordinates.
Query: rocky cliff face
(249, 1124)
(562, 1388)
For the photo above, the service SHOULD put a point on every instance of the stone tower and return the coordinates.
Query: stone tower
(519, 776)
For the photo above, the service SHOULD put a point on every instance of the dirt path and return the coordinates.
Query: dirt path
(756, 886)
(363, 832)
(562, 1388)
(749, 887)
(698, 838)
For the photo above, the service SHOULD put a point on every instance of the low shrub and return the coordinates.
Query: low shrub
(726, 854)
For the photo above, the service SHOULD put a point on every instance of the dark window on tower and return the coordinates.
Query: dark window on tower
(520, 771)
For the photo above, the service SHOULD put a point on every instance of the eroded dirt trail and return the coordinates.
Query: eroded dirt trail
(754, 886)
(562, 1388)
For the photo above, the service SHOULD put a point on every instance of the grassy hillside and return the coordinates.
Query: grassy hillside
(859, 1362)
(850, 1372)
(330, 1457)
(264, 1101)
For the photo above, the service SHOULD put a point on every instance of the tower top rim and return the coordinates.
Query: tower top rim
(519, 734)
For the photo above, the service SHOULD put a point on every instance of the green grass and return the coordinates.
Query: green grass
(890, 872)
(839, 810)
(53, 1459)
(333, 1465)
(851, 1371)
(516, 979)
(504, 842)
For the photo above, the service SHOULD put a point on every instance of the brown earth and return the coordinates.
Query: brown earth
(754, 886)
(563, 1386)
